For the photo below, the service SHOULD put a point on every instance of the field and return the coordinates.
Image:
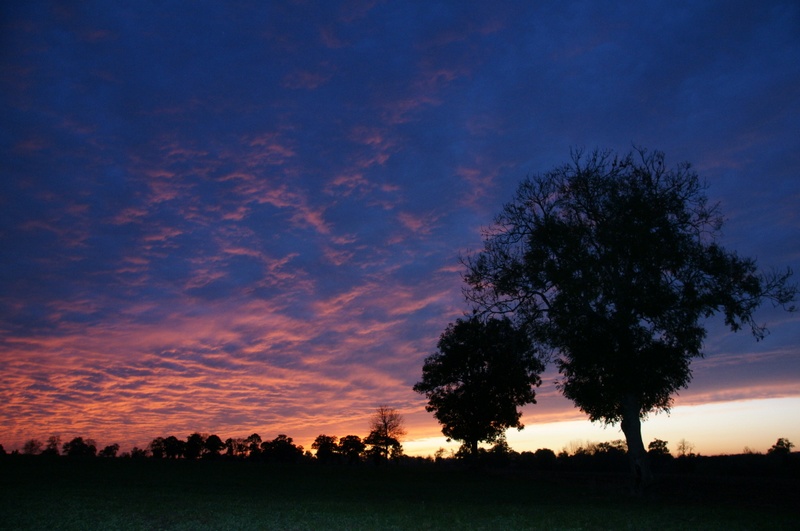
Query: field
(63, 493)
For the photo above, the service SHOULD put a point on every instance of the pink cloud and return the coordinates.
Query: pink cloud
(30, 146)
(400, 111)
(419, 224)
(305, 79)
(129, 215)
(270, 148)
(163, 234)
(263, 191)
(338, 257)
(329, 38)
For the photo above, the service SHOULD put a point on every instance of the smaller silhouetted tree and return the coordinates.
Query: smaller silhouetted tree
(387, 428)
(157, 448)
(545, 459)
(174, 447)
(77, 447)
(482, 372)
(382, 447)
(326, 447)
(501, 454)
(253, 445)
(685, 448)
(617, 446)
(212, 446)
(52, 446)
(2, 450)
(659, 453)
(32, 447)
(657, 447)
(138, 453)
(235, 447)
(281, 449)
(352, 448)
(782, 447)
(194, 446)
(109, 451)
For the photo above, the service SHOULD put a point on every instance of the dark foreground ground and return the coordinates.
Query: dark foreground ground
(63, 493)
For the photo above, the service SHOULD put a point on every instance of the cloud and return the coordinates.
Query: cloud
(305, 79)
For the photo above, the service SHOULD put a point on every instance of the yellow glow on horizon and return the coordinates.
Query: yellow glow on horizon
(713, 429)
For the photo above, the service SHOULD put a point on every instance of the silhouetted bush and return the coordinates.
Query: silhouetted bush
(782, 447)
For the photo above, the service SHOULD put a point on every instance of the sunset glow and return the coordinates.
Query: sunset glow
(249, 220)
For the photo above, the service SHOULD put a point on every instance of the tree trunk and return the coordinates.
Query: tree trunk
(632, 428)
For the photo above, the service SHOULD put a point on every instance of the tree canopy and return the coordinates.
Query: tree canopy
(612, 263)
(482, 372)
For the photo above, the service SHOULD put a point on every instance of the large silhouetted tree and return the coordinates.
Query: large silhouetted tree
(613, 263)
(482, 372)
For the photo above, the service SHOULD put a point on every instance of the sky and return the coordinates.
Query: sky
(239, 217)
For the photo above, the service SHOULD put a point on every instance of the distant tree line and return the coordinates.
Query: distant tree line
(381, 448)
(383, 443)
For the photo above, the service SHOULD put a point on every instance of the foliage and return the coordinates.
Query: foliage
(382, 447)
(481, 374)
(174, 447)
(194, 446)
(781, 447)
(212, 446)
(109, 451)
(138, 453)
(658, 447)
(157, 447)
(32, 447)
(52, 447)
(351, 447)
(326, 447)
(281, 449)
(253, 443)
(612, 263)
(545, 458)
(77, 447)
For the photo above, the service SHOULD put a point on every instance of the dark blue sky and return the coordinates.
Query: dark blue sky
(235, 217)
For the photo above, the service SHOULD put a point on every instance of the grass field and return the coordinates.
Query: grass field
(62, 493)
